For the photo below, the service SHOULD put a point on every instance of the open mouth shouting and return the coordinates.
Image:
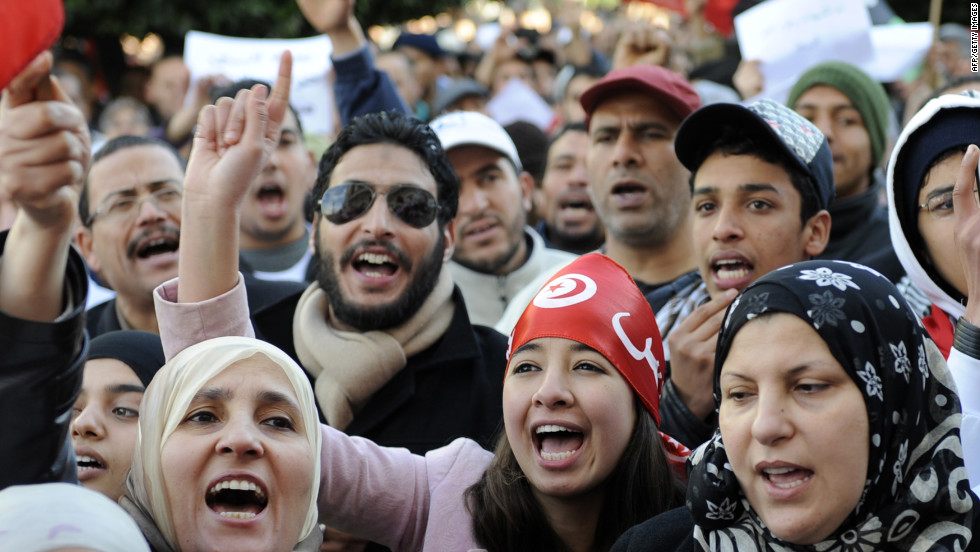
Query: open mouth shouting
(272, 200)
(784, 481)
(626, 195)
(237, 498)
(158, 246)
(376, 263)
(557, 443)
(576, 205)
(731, 269)
(90, 464)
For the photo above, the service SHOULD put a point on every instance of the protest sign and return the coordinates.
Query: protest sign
(257, 58)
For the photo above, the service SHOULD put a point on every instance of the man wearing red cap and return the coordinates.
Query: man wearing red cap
(639, 187)
(641, 190)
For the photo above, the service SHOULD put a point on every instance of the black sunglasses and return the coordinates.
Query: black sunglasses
(346, 202)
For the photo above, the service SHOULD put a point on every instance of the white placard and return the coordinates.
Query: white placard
(258, 58)
(897, 48)
(788, 36)
(519, 102)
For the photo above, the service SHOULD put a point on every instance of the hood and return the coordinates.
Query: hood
(897, 188)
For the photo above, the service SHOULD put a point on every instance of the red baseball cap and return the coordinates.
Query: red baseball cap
(663, 84)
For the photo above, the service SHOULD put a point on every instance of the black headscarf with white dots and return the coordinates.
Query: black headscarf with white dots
(917, 495)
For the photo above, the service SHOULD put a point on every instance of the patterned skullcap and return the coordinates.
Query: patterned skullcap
(776, 124)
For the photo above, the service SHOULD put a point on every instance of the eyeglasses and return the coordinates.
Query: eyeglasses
(941, 206)
(125, 205)
(346, 202)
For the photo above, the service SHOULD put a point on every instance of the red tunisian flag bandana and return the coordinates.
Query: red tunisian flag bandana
(594, 301)
(27, 28)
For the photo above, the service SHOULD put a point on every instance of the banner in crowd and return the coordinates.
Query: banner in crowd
(238, 58)
(788, 37)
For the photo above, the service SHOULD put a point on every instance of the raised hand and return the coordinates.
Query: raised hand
(44, 152)
(966, 210)
(231, 146)
(692, 354)
(642, 44)
(748, 79)
(234, 140)
(44, 147)
(334, 18)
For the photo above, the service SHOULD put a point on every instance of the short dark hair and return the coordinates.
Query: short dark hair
(736, 141)
(110, 147)
(229, 91)
(389, 127)
(577, 126)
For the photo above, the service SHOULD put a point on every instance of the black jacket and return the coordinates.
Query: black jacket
(452, 389)
(666, 532)
(102, 318)
(40, 378)
(859, 233)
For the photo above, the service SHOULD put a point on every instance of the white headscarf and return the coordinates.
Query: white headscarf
(167, 399)
(51, 516)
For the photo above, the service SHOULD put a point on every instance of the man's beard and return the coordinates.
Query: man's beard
(386, 316)
(579, 242)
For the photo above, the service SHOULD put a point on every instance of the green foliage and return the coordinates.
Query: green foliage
(249, 18)
(954, 11)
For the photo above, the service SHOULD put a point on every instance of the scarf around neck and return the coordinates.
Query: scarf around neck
(349, 366)
(916, 496)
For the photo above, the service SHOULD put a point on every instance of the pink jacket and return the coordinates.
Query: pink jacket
(396, 498)
(387, 495)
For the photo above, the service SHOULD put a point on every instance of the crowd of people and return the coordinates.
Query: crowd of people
(669, 314)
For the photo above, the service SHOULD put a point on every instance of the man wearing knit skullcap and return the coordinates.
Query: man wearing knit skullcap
(852, 110)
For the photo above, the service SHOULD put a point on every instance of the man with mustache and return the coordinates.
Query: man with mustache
(129, 208)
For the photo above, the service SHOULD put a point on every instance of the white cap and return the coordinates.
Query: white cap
(469, 128)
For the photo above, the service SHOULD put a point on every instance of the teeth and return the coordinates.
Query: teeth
(551, 429)
(778, 471)
(557, 455)
(87, 460)
(731, 273)
(237, 485)
(791, 484)
(238, 515)
(374, 258)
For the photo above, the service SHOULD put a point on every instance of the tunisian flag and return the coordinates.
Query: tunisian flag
(716, 12)
(28, 28)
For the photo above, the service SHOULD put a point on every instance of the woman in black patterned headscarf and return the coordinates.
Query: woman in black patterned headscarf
(799, 462)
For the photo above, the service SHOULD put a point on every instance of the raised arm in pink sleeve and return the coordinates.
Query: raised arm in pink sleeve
(184, 324)
(401, 500)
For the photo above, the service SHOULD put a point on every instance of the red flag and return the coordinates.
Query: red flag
(716, 12)
(28, 28)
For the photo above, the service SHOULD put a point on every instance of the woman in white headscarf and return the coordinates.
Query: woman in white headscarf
(60, 516)
(229, 452)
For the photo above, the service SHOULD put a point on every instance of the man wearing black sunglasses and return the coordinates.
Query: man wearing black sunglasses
(383, 333)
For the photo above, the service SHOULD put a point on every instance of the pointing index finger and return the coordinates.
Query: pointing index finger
(279, 98)
(966, 181)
